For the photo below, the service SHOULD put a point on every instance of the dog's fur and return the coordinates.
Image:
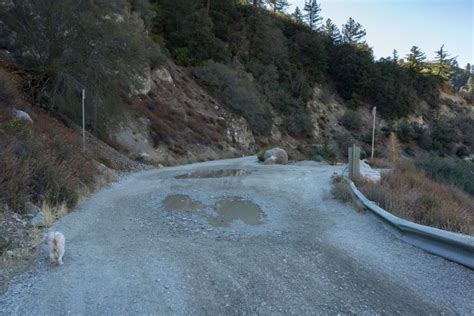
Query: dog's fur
(56, 247)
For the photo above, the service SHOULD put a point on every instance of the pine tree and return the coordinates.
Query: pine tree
(278, 5)
(332, 31)
(395, 56)
(313, 15)
(416, 59)
(352, 32)
(443, 65)
(297, 15)
(469, 68)
(255, 3)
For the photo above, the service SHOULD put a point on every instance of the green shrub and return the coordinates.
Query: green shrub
(405, 132)
(238, 93)
(66, 46)
(444, 136)
(195, 42)
(366, 137)
(352, 120)
(261, 155)
(327, 152)
(457, 172)
(343, 141)
(317, 158)
(181, 55)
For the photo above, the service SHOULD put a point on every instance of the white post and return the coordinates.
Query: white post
(374, 112)
(83, 121)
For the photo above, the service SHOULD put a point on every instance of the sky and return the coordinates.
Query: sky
(400, 24)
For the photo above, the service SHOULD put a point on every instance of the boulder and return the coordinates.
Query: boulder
(275, 156)
(162, 74)
(38, 220)
(22, 116)
(144, 81)
(32, 209)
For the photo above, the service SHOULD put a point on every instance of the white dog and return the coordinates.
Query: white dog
(56, 246)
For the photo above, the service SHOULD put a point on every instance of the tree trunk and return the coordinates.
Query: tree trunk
(208, 6)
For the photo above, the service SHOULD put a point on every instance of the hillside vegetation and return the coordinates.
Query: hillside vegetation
(173, 81)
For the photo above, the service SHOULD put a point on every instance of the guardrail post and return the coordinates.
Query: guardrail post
(354, 161)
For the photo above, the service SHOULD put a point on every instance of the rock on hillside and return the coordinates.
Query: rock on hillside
(178, 122)
(275, 156)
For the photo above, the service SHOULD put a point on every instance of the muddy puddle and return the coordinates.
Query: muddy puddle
(236, 208)
(202, 174)
(181, 202)
(220, 214)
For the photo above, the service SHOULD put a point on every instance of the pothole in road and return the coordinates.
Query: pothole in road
(220, 214)
(236, 208)
(202, 174)
(181, 202)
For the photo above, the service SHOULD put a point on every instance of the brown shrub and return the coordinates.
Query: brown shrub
(407, 192)
(379, 163)
(42, 162)
(341, 190)
(178, 127)
(393, 149)
(15, 174)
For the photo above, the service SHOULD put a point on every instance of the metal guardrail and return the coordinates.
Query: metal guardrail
(455, 247)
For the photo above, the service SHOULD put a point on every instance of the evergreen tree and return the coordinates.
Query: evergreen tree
(297, 15)
(352, 32)
(469, 68)
(416, 58)
(332, 31)
(395, 56)
(278, 5)
(313, 15)
(443, 65)
(257, 3)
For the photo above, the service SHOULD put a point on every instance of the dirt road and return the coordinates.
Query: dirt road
(234, 237)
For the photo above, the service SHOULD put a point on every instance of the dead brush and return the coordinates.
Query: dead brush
(341, 189)
(42, 162)
(408, 193)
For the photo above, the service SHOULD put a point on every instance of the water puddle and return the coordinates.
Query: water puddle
(222, 213)
(236, 208)
(202, 174)
(181, 202)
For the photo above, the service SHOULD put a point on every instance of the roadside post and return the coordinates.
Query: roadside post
(83, 121)
(354, 161)
(374, 112)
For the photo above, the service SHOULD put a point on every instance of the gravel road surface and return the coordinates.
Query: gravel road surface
(252, 239)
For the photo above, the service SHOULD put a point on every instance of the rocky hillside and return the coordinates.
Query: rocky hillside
(238, 78)
(178, 121)
(193, 83)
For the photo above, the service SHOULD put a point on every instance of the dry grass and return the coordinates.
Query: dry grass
(341, 190)
(42, 162)
(379, 163)
(52, 213)
(48, 213)
(407, 192)
(393, 149)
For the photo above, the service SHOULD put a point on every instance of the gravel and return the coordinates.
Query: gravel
(127, 254)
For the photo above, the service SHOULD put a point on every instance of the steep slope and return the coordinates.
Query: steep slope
(178, 122)
(44, 171)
